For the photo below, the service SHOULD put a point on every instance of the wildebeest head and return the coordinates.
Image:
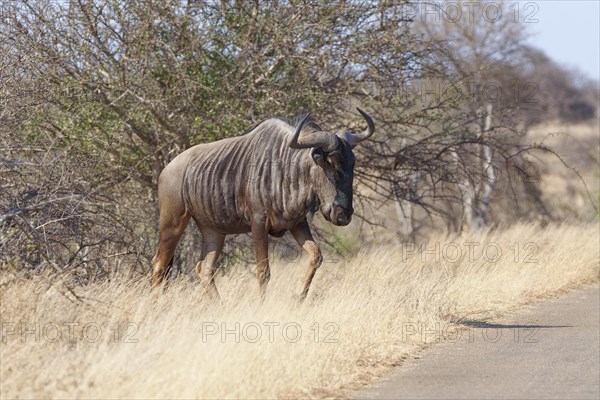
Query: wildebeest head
(334, 163)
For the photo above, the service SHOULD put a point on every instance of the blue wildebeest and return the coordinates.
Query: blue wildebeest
(265, 182)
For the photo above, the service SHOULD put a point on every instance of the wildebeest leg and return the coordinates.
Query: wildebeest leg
(303, 236)
(260, 236)
(212, 244)
(171, 226)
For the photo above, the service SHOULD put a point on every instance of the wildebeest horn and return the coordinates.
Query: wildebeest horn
(353, 139)
(325, 140)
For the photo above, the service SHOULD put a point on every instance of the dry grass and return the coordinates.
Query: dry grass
(360, 307)
(579, 147)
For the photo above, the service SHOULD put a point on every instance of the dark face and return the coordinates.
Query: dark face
(335, 184)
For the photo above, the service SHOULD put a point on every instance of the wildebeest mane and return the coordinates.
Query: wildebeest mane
(310, 125)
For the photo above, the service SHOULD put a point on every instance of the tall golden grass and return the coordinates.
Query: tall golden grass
(350, 330)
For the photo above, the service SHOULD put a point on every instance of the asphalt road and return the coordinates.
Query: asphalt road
(549, 351)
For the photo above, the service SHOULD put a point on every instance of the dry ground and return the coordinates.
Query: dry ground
(548, 350)
(120, 339)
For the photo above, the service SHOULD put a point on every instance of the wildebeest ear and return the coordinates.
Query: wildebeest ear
(318, 155)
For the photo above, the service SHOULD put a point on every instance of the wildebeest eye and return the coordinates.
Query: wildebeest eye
(318, 156)
(334, 161)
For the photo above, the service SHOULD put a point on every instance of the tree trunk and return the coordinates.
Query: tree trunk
(404, 208)
(489, 174)
(476, 196)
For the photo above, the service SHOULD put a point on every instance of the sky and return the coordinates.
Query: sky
(568, 31)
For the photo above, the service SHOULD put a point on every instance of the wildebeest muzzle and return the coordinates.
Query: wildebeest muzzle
(340, 215)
